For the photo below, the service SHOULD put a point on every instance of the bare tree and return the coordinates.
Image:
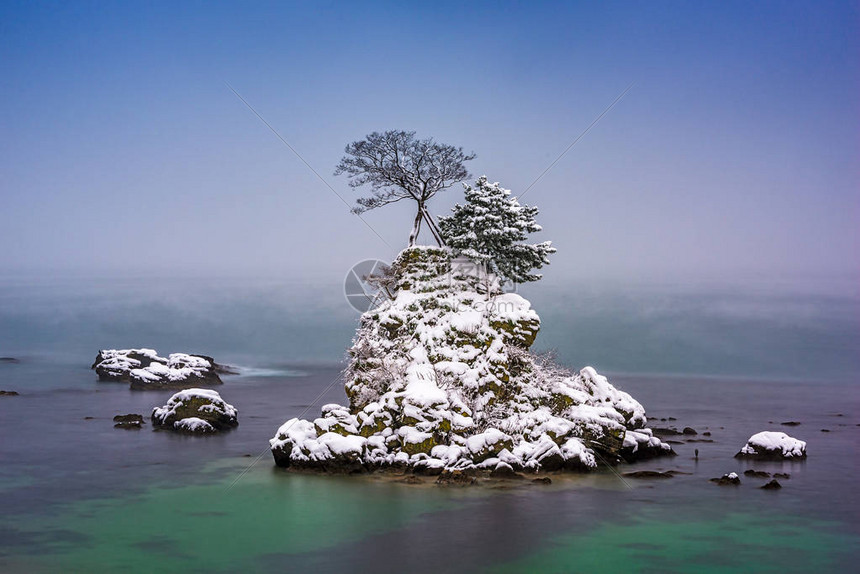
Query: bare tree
(398, 166)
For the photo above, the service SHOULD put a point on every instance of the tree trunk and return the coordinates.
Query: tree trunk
(416, 227)
(437, 235)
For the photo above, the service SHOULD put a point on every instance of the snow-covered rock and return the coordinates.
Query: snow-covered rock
(197, 411)
(774, 446)
(641, 444)
(730, 479)
(145, 369)
(441, 381)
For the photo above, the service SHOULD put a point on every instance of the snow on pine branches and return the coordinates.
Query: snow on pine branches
(490, 229)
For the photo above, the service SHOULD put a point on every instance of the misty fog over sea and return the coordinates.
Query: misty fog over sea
(766, 332)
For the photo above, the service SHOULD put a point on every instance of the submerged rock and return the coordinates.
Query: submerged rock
(130, 421)
(667, 431)
(649, 474)
(505, 471)
(772, 485)
(441, 381)
(145, 369)
(198, 411)
(9, 360)
(756, 473)
(456, 478)
(730, 479)
(769, 445)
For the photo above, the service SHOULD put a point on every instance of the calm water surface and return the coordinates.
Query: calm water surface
(79, 495)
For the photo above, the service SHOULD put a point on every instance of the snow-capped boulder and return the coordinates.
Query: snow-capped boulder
(145, 369)
(773, 446)
(641, 445)
(198, 411)
(441, 382)
(730, 479)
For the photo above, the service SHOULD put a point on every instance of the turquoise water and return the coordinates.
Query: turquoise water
(78, 495)
(310, 522)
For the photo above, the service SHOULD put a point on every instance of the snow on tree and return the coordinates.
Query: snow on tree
(490, 230)
(398, 166)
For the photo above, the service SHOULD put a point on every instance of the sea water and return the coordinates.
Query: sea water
(76, 494)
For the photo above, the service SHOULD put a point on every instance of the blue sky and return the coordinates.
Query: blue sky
(732, 159)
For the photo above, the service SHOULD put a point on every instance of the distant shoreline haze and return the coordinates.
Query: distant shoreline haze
(615, 327)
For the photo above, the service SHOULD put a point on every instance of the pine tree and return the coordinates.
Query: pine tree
(489, 230)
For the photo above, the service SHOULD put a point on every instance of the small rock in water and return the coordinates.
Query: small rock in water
(130, 418)
(790, 423)
(773, 446)
(542, 480)
(689, 431)
(8, 393)
(89, 418)
(648, 474)
(672, 419)
(9, 360)
(772, 485)
(825, 430)
(456, 478)
(730, 479)
(756, 473)
(666, 432)
(130, 421)
(196, 411)
(784, 475)
(505, 471)
(411, 479)
(706, 433)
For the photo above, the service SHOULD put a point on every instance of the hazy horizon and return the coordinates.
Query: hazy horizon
(731, 159)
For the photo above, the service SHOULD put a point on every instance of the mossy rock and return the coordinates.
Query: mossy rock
(518, 333)
(200, 404)
(413, 448)
(336, 428)
(372, 425)
(559, 402)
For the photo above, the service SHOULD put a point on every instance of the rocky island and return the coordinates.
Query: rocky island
(144, 369)
(441, 381)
